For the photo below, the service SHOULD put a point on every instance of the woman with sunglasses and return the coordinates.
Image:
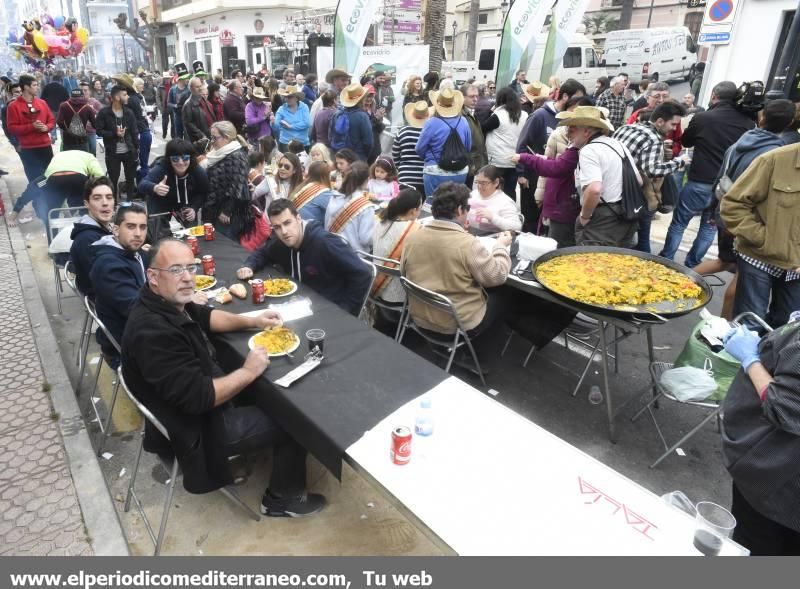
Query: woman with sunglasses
(228, 205)
(175, 184)
(288, 176)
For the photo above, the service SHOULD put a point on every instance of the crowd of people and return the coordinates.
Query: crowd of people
(296, 171)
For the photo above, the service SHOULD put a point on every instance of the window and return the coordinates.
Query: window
(572, 58)
(693, 21)
(589, 57)
(483, 18)
(191, 51)
(486, 59)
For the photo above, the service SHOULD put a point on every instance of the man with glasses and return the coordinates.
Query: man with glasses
(118, 273)
(477, 153)
(170, 364)
(29, 119)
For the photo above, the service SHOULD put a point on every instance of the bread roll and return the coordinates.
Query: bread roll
(239, 291)
(224, 297)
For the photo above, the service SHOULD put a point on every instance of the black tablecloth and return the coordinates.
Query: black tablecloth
(365, 375)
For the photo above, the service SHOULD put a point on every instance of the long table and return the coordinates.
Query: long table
(487, 482)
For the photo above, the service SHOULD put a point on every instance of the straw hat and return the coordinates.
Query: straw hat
(352, 95)
(290, 90)
(586, 116)
(258, 93)
(417, 113)
(448, 103)
(536, 90)
(125, 80)
(335, 73)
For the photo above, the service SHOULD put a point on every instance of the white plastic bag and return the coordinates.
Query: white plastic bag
(62, 242)
(688, 383)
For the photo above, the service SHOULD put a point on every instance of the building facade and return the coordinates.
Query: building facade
(490, 25)
(646, 14)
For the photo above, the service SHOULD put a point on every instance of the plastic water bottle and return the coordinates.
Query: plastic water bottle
(423, 426)
(595, 395)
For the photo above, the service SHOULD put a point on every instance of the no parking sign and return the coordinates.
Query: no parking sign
(718, 22)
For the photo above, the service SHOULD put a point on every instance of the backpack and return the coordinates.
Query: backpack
(339, 130)
(455, 156)
(76, 127)
(634, 203)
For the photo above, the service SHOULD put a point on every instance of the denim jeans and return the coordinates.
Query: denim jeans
(431, 181)
(643, 233)
(145, 141)
(35, 161)
(753, 290)
(695, 199)
(93, 144)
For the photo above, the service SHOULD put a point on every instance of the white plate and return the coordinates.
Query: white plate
(212, 285)
(251, 343)
(286, 294)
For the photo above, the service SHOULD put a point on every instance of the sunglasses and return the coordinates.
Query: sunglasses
(286, 167)
(179, 158)
(31, 108)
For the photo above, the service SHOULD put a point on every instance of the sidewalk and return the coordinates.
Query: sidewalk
(53, 499)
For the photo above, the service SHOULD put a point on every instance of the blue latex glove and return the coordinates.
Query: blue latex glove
(742, 344)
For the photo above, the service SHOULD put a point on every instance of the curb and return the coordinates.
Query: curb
(99, 513)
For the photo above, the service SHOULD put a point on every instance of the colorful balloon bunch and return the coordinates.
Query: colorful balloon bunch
(45, 37)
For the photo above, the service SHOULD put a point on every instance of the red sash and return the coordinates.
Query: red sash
(308, 194)
(382, 279)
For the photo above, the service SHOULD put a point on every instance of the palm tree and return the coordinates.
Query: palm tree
(472, 33)
(626, 15)
(434, 32)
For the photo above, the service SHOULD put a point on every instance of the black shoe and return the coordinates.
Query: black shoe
(3, 173)
(297, 506)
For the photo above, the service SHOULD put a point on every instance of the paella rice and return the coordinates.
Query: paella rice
(278, 286)
(277, 340)
(196, 231)
(202, 281)
(616, 280)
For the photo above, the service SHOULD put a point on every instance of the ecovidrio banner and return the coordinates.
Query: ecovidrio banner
(518, 44)
(567, 15)
(353, 18)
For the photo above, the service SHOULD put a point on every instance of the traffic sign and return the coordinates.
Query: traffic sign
(696, 3)
(714, 38)
(718, 22)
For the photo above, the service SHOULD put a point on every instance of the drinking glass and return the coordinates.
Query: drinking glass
(316, 340)
(714, 524)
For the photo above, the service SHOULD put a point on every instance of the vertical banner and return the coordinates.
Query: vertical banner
(518, 44)
(567, 15)
(353, 18)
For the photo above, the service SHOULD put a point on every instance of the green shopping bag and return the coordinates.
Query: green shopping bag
(723, 365)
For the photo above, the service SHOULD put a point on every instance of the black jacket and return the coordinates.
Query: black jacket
(54, 94)
(107, 129)
(195, 124)
(324, 262)
(84, 234)
(228, 193)
(711, 133)
(169, 365)
(135, 104)
(761, 441)
(233, 109)
(190, 191)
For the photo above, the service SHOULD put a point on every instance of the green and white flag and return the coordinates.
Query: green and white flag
(518, 44)
(567, 15)
(353, 18)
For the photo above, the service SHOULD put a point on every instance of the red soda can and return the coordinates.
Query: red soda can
(208, 229)
(400, 451)
(257, 287)
(192, 241)
(209, 267)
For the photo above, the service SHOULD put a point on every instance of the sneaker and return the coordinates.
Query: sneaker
(298, 506)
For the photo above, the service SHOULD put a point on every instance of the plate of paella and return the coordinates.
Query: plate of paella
(204, 282)
(622, 280)
(277, 341)
(279, 287)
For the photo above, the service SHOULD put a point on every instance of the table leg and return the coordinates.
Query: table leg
(652, 356)
(586, 368)
(616, 350)
(612, 434)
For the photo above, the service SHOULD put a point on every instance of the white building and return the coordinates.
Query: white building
(649, 14)
(490, 24)
(754, 52)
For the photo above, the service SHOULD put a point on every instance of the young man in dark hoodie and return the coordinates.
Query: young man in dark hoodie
(312, 256)
(99, 199)
(118, 273)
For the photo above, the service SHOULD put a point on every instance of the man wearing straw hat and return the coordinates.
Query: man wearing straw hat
(598, 179)
(430, 147)
(337, 81)
(356, 132)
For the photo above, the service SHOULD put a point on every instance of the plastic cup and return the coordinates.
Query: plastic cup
(316, 340)
(714, 523)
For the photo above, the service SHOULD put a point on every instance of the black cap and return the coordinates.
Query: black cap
(77, 93)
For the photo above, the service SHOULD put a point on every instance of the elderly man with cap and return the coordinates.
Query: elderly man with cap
(337, 80)
(598, 178)
(293, 118)
(258, 116)
(197, 114)
(404, 149)
(447, 104)
(136, 104)
(351, 127)
(74, 117)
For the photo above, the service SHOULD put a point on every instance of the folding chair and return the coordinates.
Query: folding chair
(440, 303)
(58, 219)
(172, 469)
(657, 369)
(104, 427)
(362, 311)
(86, 329)
(391, 269)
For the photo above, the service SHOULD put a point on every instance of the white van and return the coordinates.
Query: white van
(659, 55)
(580, 61)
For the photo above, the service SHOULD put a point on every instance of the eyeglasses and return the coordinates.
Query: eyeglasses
(491, 87)
(215, 138)
(179, 158)
(178, 270)
(289, 167)
(483, 182)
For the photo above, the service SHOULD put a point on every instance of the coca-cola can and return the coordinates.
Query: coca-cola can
(257, 288)
(209, 266)
(400, 451)
(192, 241)
(208, 230)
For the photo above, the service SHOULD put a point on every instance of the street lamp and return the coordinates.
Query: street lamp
(503, 10)
(455, 26)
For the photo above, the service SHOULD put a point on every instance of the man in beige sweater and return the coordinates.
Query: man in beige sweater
(445, 258)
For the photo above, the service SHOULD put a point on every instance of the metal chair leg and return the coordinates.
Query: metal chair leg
(475, 359)
(94, 392)
(80, 356)
(58, 287)
(403, 311)
(107, 429)
(708, 418)
(452, 353)
(233, 495)
(508, 342)
(167, 505)
(528, 357)
(133, 474)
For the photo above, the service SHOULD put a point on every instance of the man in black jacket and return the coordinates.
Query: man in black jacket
(136, 104)
(711, 133)
(116, 124)
(195, 113)
(233, 106)
(312, 256)
(170, 365)
(98, 198)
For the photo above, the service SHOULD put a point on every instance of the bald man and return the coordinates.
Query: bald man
(170, 365)
(197, 115)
